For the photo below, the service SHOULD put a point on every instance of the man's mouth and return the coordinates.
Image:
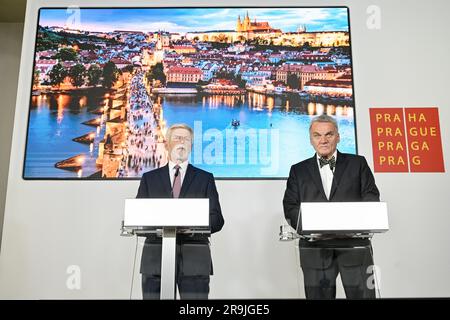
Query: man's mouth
(180, 147)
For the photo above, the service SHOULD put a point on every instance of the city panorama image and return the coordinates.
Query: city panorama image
(107, 83)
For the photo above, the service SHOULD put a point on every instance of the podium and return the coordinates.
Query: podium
(346, 227)
(349, 219)
(166, 218)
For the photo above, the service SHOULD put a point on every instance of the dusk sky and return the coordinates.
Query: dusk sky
(197, 19)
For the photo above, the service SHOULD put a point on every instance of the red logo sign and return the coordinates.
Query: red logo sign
(406, 140)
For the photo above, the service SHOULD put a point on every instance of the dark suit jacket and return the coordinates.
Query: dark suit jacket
(353, 181)
(197, 183)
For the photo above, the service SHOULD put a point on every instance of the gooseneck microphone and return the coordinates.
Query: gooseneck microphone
(332, 167)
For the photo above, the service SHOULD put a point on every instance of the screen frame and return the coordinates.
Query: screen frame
(30, 96)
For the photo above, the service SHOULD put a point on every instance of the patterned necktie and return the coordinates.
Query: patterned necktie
(176, 182)
(331, 162)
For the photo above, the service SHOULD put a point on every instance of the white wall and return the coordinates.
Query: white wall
(10, 44)
(50, 225)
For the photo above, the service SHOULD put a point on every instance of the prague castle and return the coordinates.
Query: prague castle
(249, 30)
(247, 26)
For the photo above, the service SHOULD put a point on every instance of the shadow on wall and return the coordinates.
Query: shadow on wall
(11, 40)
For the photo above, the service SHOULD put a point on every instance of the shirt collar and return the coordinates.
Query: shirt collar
(183, 165)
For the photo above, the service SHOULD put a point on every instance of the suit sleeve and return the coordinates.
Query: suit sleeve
(143, 190)
(291, 200)
(369, 190)
(215, 212)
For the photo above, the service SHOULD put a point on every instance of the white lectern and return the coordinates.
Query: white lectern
(343, 225)
(353, 219)
(145, 216)
(342, 217)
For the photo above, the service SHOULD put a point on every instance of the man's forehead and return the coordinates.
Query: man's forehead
(322, 127)
(181, 131)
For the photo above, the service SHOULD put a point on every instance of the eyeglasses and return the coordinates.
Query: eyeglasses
(181, 138)
(328, 136)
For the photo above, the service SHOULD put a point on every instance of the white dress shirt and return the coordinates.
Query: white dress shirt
(172, 170)
(326, 175)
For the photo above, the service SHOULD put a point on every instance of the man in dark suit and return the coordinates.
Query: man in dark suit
(331, 176)
(179, 179)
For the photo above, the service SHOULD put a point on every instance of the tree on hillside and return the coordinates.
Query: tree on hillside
(57, 74)
(76, 74)
(94, 73)
(110, 74)
(67, 54)
(157, 73)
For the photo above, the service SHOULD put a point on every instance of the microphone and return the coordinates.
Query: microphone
(332, 167)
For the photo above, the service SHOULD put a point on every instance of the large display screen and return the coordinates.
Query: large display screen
(108, 82)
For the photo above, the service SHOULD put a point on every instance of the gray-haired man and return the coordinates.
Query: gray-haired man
(331, 176)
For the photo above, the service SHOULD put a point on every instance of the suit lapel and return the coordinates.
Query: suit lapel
(188, 177)
(315, 174)
(341, 165)
(165, 179)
